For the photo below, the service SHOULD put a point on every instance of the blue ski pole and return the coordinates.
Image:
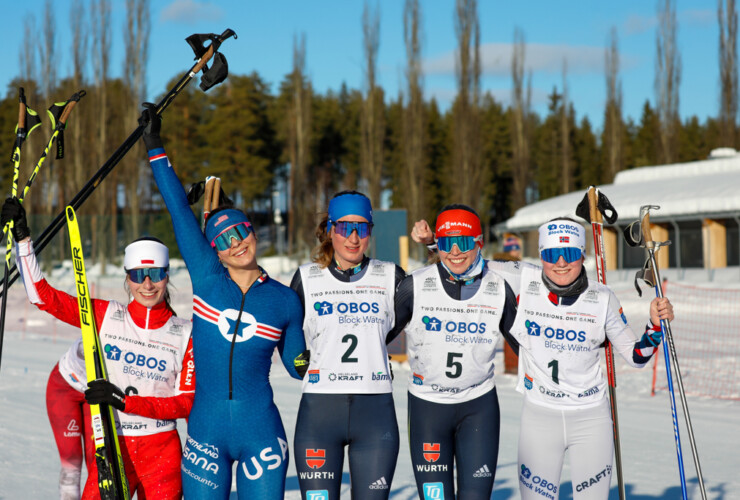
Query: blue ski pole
(651, 275)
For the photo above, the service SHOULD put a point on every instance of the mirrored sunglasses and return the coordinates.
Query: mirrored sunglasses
(464, 243)
(240, 231)
(552, 255)
(344, 229)
(156, 274)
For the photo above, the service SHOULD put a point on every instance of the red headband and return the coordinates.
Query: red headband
(458, 222)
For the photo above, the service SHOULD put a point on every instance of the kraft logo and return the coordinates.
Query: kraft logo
(432, 324)
(418, 379)
(313, 376)
(565, 239)
(317, 495)
(323, 308)
(533, 328)
(552, 227)
(112, 352)
(315, 458)
(431, 452)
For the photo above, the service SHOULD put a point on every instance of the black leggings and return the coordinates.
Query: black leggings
(366, 423)
(466, 432)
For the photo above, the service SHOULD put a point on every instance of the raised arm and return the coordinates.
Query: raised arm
(200, 258)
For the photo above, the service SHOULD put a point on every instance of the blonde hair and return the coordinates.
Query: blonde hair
(323, 253)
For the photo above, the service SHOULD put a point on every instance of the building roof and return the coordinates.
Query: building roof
(699, 189)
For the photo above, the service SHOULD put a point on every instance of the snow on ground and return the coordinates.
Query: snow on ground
(29, 464)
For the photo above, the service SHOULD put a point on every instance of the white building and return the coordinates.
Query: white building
(699, 212)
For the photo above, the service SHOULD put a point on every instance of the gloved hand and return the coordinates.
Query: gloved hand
(153, 123)
(301, 362)
(103, 392)
(13, 211)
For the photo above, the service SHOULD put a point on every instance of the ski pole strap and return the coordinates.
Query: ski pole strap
(602, 205)
(59, 114)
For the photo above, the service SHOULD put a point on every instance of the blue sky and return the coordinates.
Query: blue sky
(573, 29)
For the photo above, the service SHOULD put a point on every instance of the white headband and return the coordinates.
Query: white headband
(146, 253)
(562, 233)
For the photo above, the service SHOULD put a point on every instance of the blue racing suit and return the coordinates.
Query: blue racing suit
(234, 335)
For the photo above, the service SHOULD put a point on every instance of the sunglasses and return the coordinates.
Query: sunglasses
(156, 274)
(240, 231)
(569, 254)
(344, 229)
(464, 243)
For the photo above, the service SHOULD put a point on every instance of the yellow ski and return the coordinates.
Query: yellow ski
(111, 474)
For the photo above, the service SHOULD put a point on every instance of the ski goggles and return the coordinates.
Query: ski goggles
(464, 243)
(344, 229)
(569, 254)
(156, 274)
(240, 231)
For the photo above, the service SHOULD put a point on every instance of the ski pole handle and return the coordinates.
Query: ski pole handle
(216, 193)
(593, 208)
(70, 105)
(21, 110)
(646, 232)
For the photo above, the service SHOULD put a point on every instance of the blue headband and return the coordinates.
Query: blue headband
(349, 204)
(223, 219)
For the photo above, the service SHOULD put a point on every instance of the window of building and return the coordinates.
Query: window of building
(686, 248)
(733, 242)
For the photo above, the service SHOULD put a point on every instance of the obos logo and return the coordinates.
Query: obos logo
(432, 324)
(562, 334)
(112, 352)
(435, 325)
(227, 323)
(323, 308)
(526, 473)
(533, 328)
(313, 376)
(361, 307)
(552, 227)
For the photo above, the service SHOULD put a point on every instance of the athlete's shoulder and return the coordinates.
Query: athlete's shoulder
(423, 270)
(376, 266)
(282, 296)
(599, 287)
(311, 270)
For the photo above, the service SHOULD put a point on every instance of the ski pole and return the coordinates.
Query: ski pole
(28, 121)
(210, 77)
(667, 333)
(58, 113)
(594, 207)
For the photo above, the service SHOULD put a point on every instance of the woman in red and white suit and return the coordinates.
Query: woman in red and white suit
(148, 354)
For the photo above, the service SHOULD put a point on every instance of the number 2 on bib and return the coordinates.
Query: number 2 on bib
(347, 356)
